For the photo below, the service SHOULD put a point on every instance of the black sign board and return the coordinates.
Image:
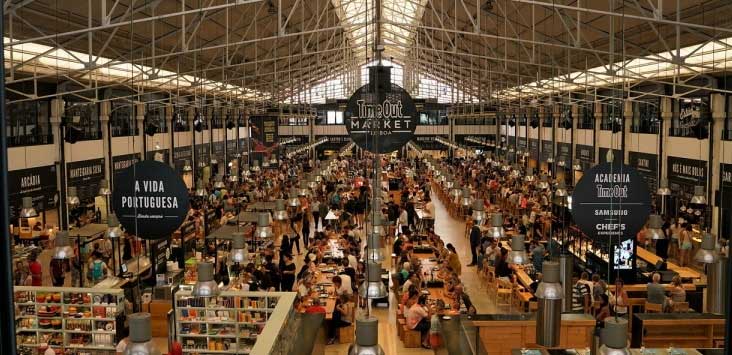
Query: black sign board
(85, 175)
(160, 255)
(522, 144)
(150, 199)
(617, 155)
(38, 183)
(202, 153)
(162, 154)
(187, 229)
(231, 148)
(430, 142)
(611, 203)
(265, 138)
(585, 155)
(690, 110)
(534, 148)
(296, 140)
(683, 174)
(122, 162)
(180, 155)
(723, 196)
(564, 152)
(646, 165)
(217, 151)
(547, 150)
(461, 139)
(381, 118)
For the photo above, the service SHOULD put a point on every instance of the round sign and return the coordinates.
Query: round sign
(150, 199)
(611, 202)
(381, 122)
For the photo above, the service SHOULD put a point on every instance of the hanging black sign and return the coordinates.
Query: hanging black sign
(150, 199)
(161, 155)
(564, 152)
(683, 174)
(521, 144)
(691, 110)
(180, 156)
(725, 177)
(611, 203)
(646, 165)
(585, 153)
(122, 162)
(231, 148)
(265, 138)
(85, 175)
(381, 118)
(430, 142)
(38, 183)
(617, 154)
(547, 150)
(534, 148)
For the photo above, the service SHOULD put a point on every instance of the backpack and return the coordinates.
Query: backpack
(97, 270)
(57, 269)
(335, 200)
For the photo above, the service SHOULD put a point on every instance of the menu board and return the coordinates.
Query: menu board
(547, 150)
(85, 175)
(265, 138)
(180, 155)
(585, 154)
(647, 166)
(122, 162)
(683, 174)
(38, 183)
(534, 148)
(564, 152)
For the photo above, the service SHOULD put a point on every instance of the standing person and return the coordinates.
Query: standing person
(58, 267)
(288, 274)
(285, 248)
(305, 230)
(685, 244)
(315, 206)
(619, 300)
(453, 260)
(662, 244)
(403, 219)
(97, 269)
(36, 270)
(580, 296)
(674, 230)
(474, 243)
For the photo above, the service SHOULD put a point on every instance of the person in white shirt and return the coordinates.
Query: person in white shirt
(342, 285)
(304, 288)
(412, 280)
(404, 219)
(429, 207)
(352, 260)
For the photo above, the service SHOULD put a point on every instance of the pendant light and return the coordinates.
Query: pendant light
(529, 175)
(374, 247)
(255, 166)
(304, 190)
(273, 160)
(699, 198)
(466, 200)
(104, 188)
(516, 172)
(280, 212)
(373, 287)
(561, 190)
(318, 178)
(293, 201)
(28, 211)
(456, 191)
(202, 164)
(219, 184)
(200, 190)
(140, 335)
(214, 161)
(205, 285)
(517, 255)
(478, 211)
(264, 229)
(187, 168)
(71, 198)
(239, 250)
(655, 227)
(377, 223)
(707, 254)
(449, 183)
(577, 167)
(245, 171)
(663, 189)
(549, 294)
(63, 250)
(113, 229)
(614, 337)
(496, 229)
(543, 183)
(312, 183)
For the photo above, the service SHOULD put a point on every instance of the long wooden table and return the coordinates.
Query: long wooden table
(684, 272)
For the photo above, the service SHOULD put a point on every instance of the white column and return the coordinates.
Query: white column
(718, 116)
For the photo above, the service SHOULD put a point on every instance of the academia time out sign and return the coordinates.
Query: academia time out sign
(150, 199)
(381, 121)
(611, 202)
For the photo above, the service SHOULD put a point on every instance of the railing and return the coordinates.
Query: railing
(30, 139)
(644, 127)
(585, 124)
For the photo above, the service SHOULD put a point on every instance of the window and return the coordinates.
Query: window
(433, 117)
(334, 117)
(217, 119)
(156, 116)
(548, 119)
(122, 119)
(293, 121)
(587, 117)
(28, 123)
(612, 114)
(646, 117)
(85, 117)
(727, 133)
(180, 121)
(690, 118)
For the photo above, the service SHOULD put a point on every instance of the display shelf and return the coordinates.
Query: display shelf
(77, 320)
(232, 322)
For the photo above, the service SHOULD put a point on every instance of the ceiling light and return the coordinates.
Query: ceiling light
(28, 211)
(466, 199)
(655, 227)
(113, 229)
(104, 188)
(496, 229)
(561, 190)
(304, 190)
(187, 168)
(373, 287)
(543, 184)
(663, 189)
(478, 211)
(219, 184)
(205, 285)
(517, 255)
(239, 250)
(71, 198)
(62, 249)
(280, 212)
(264, 229)
(707, 254)
(699, 197)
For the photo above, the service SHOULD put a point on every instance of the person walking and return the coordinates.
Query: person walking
(474, 243)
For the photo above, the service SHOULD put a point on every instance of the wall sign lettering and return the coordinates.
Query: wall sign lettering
(85, 175)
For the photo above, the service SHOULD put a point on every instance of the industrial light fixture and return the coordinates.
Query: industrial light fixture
(255, 166)
(374, 248)
(264, 229)
(561, 163)
(707, 254)
(373, 287)
(699, 197)
(478, 211)
(140, 335)
(614, 337)
(304, 190)
(496, 229)
(312, 184)
(456, 191)
(198, 122)
(200, 190)
(113, 229)
(466, 200)
(318, 178)
(280, 212)
(549, 294)
(265, 163)
(202, 164)
(663, 189)
(205, 285)
(239, 250)
(71, 198)
(529, 175)
(655, 227)
(214, 161)
(245, 171)
(517, 255)
(273, 159)
(187, 168)
(28, 211)
(63, 250)
(104, 188)
(543, 183)
(561, 190)
(219, 184)
(577, 167)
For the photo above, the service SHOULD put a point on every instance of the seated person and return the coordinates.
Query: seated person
(413, 279)
(418, 318)
(409, 298)
(656, 291)
(342, 284)
(342, 317)
(677, 294)
(461, 301)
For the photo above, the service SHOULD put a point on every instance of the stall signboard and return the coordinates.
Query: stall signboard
(150, 199)
(122, 162)
(85, 175)
(429, 142)
(381, 120)
(180, 155)
(296, 140)
(585, 154)
(160, 255)
(243, 146)
(461, 139)
(230, 148)
(534, 148)
(203, 153)
(217, 151)
(38, 183)
(646, 165)
(161, 155)
(611, 203)
(522, 144)
(265, 138)
(683, 174)
(547, 150)
(564, 152)
(617, 154)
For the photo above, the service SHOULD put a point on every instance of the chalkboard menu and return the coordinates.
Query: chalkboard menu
(534, 148)
(430, 143)
(38, 183)
(647, 166)
(217, 151)
(85, 175)
(683, 174)
(585, 155)
(547, 150)
(180, 155)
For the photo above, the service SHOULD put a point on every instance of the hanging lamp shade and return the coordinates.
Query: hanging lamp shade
(456, 191)
(113, 229)
(239, 250)
(561, 190)
(200, 190)
(517, 255)
(478, 211)
(707, 254)
(543, 183)
(375, 252)
(214, 161)
(373, 287)
(245, 172)
(71, 198)
(466, 200)
(449, 183)
(280, 212)
(663, 189)
(496, 229)
(28, 211)
(187, 168)
(63, 250)
(205, 285)
(265, 163)
(255, 166)
(293, 200)
(219, 184)
(529, 175)
(312, 183)
(273, 159)
(699, 198)
(318, 178)
(104, 188)
(264, 229)
(202, 164)
(140, 335)
(655, 227)
(304, 190)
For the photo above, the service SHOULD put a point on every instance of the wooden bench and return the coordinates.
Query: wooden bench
(412, 338)
(401, 322)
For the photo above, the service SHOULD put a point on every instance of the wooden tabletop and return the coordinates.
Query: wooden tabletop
(684, 272)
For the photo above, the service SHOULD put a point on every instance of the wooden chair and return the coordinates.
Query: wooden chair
(653, 308)
(679, 307)
(468, 227)
(401, 323)
(491, 283)
(504, 293)
(412, 338)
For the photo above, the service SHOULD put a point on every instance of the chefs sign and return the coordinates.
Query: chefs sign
(611, 202)
(150, 199)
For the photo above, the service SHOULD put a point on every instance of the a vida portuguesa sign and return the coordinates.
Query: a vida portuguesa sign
(611, 202)
(150, 199)
(381, 118)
